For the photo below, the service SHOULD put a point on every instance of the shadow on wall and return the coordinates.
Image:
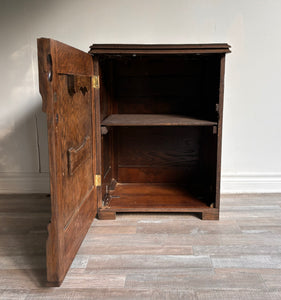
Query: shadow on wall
(23, 125)
(24, 151)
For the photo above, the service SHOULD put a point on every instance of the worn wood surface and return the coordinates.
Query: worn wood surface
(159, 155)
(149, 256)
(140, 197)
(180, 85)
(162, 114)
(219, 133)
(68, 99)
(158, 48)
(153, 120)
(137, 95)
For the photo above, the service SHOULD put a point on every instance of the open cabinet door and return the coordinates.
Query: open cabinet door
(66, 80)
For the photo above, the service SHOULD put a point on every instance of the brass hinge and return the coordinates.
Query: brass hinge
(97, 180)
(96, 82)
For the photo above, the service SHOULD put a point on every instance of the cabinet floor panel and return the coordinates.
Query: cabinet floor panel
(154, 197)
(153, 120)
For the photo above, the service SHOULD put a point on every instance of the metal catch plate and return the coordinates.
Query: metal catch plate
(215, 130)
(96, 82)
(97, 180)
(217, 107)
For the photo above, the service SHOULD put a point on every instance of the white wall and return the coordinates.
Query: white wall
(252, 122)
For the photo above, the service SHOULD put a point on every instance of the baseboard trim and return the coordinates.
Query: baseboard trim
(251, 183)
(24, 183)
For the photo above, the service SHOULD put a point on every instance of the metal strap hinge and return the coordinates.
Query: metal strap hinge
(96, 82)
(97, 180)
(107, 199)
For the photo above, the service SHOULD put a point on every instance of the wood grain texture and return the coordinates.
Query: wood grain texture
(158, 48)
(163, 118)
(106, 215)
(179, 85)
(247, 261)
(210, 215)
(134, 249)
(68, 100)
(153, 262)
(162, 113)
(110, 294)
(219, 136)
(156, 197)
(233, 295)
(148, 256)
(77, 156)
(205, 281)
(153, 120)
(97, 141)
(159, 155)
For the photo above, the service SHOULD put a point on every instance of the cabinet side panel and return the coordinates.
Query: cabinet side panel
(220, 123)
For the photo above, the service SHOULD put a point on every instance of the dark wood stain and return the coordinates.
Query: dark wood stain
(151, 129)
(71, 121)
(158, 49)
(153, 120)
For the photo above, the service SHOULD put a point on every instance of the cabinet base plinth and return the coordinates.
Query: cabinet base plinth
(106, 215)
(210, 215)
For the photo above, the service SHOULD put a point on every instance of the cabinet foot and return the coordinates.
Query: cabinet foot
(106, 215)
(210, 215)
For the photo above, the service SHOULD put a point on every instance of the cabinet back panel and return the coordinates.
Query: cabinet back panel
(158, 154)
(158, 85)
(186, 85)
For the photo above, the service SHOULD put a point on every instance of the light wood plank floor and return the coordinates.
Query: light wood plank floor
(149, 256)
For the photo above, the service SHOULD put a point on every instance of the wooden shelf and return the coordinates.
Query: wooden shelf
(153, 120)
(153, 198)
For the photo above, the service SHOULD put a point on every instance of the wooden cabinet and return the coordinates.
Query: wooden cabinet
(131, 128)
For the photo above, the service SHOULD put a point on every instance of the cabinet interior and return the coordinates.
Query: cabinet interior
(159, 115)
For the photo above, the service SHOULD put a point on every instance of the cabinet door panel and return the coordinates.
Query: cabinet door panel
(65, 80)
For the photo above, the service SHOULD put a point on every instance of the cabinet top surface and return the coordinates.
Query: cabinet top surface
(158, 48)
